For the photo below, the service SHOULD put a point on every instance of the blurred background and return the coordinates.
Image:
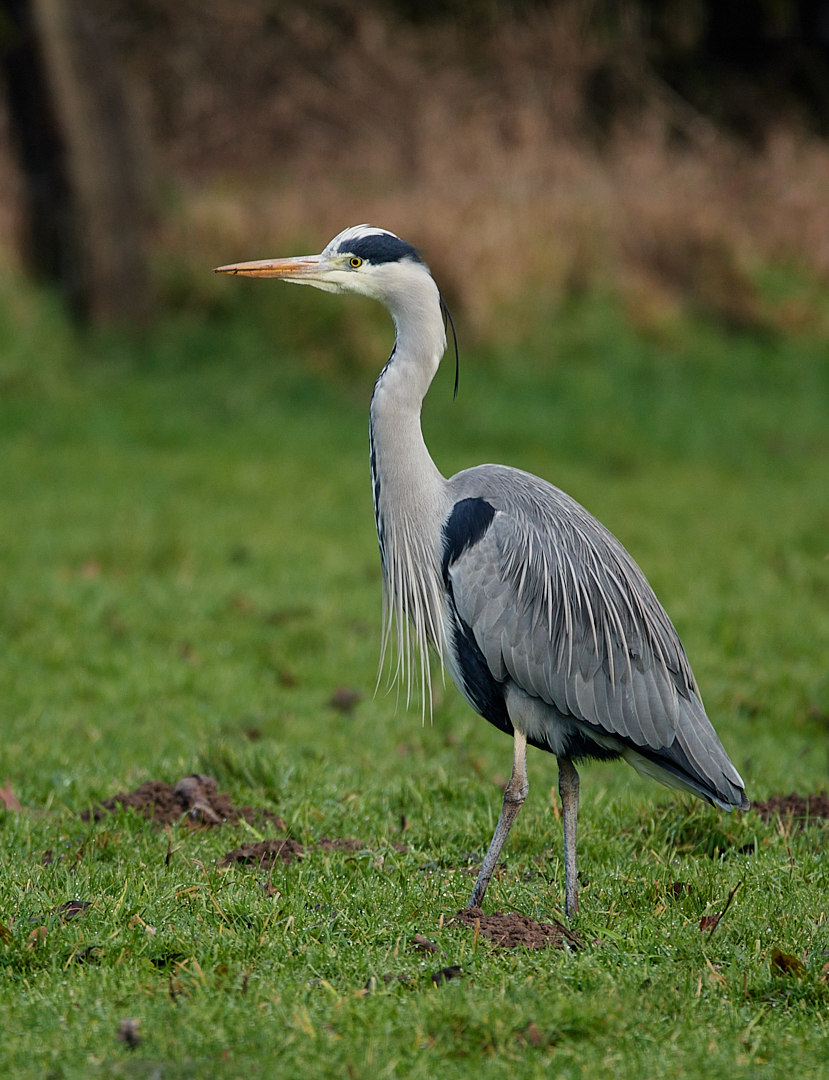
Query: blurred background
(673, 152)
(626, 206)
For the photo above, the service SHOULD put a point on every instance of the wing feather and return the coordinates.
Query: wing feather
(557, 605)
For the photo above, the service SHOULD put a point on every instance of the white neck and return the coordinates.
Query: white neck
(420, 342)
(410, 494)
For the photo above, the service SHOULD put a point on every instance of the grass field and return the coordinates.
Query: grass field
(188, 573)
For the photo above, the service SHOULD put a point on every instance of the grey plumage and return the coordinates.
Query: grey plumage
(545, 623)
(558, 606)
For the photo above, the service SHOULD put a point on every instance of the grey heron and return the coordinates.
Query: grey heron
(546, 625)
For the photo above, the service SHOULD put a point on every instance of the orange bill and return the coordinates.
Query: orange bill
(299, 267)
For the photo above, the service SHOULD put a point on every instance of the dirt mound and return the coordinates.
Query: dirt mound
(195, 795)
(265, 853)
(510, 931)
(333, 843)
(802, 808)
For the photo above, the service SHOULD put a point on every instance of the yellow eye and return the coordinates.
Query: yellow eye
(354, 262)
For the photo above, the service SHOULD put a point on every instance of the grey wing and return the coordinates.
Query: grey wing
(557, 605)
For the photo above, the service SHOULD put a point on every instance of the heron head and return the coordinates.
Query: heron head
(362, 259)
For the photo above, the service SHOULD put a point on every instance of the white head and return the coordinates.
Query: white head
(376, 263)
(362, 259)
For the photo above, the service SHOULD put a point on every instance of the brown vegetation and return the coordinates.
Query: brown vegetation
(280, 124)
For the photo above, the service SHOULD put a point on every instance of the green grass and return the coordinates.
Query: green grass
(188, 559)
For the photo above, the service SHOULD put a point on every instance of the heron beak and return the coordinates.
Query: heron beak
(301, 268)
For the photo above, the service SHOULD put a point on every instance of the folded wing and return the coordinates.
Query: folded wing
(557, 605)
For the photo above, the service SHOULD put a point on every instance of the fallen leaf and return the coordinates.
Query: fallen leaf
(423, 944)
(709, 922)
(6, 935)
(69, 910)
(8, 797)
(786, 964)
(72, 909)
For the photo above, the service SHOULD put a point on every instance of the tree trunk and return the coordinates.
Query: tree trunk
(73, 115)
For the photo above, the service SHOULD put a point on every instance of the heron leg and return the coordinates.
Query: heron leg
(568, 789)
(514, 795)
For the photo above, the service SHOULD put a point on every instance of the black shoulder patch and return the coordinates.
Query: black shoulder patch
(465, 526)
(381, 248)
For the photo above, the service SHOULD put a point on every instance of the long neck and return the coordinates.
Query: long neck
(405, 467)
(410, 495)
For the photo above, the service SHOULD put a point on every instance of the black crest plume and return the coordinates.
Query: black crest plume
(447, 315)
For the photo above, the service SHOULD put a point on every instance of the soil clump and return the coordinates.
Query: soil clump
(333, 843)
(196, 795)
(804, 809)
(265, 853)
(513, 930)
